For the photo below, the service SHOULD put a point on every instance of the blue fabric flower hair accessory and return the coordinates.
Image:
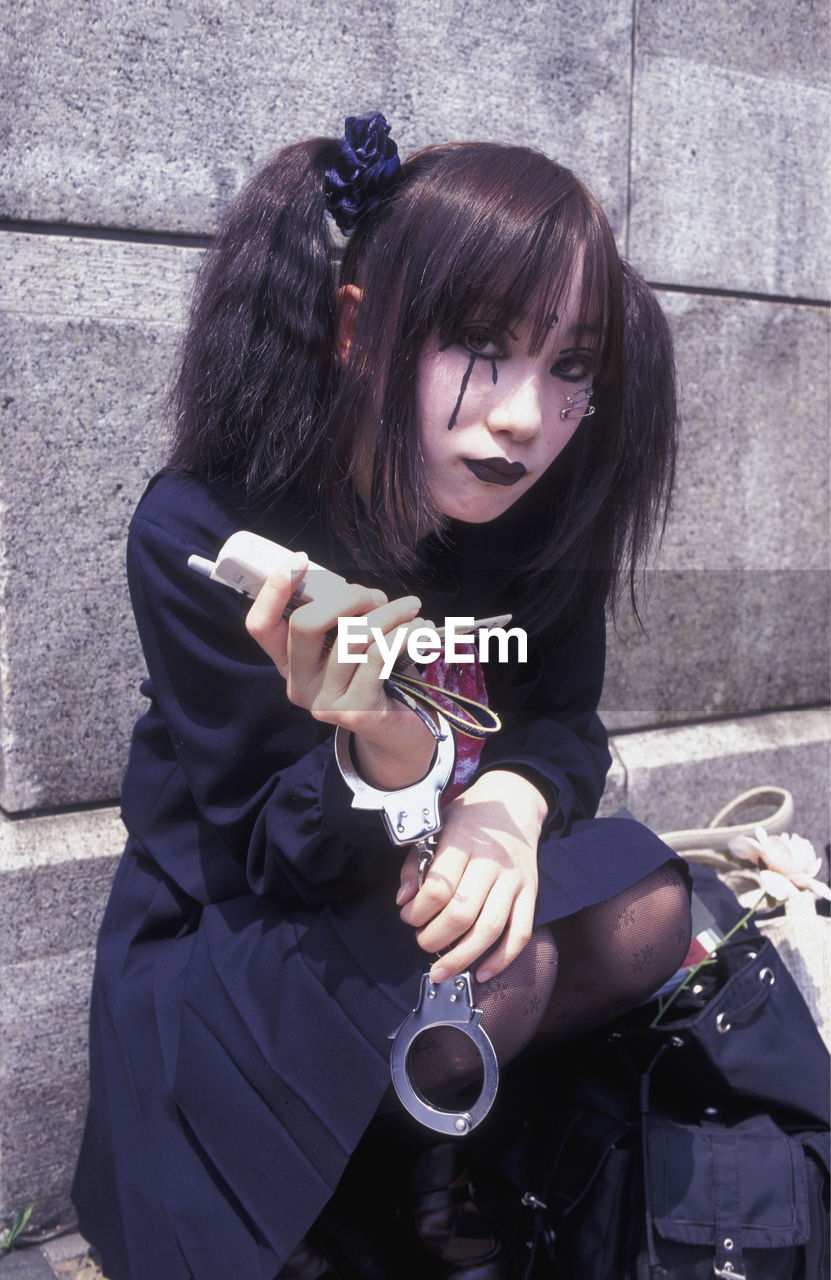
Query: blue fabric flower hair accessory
(365, 161)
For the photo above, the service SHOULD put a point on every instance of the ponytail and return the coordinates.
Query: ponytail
(646, 466)
(256, 368)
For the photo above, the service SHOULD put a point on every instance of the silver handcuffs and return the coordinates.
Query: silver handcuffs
(412, 816)
(444, 1004)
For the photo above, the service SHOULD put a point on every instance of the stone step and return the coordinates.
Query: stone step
(55, 873)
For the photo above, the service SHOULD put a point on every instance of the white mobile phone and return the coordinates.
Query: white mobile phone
(246, 560)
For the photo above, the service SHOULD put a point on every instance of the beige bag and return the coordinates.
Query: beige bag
(801, 936)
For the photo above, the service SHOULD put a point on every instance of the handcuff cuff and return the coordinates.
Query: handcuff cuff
(412, 816)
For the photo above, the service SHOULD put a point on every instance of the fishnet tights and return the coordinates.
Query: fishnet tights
(572, 976)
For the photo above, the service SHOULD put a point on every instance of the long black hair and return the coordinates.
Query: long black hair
(467, 230)
(256, 367)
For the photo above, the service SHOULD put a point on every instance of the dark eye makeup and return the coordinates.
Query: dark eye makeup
(484, 343)
(481, 343)
(575, 365)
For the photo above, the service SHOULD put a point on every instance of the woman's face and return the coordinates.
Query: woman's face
(490, 414)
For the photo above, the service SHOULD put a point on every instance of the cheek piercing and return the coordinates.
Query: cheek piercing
(577, 405)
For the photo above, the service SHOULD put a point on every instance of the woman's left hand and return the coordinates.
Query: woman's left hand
(480, 891)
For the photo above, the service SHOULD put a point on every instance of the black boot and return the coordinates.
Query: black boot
(308, 1262)
(448, 1222)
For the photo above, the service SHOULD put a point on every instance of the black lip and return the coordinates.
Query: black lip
(496, 470)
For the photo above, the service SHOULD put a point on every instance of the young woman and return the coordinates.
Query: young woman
(473, 415)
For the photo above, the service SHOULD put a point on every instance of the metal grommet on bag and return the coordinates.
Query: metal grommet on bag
(742, 1014)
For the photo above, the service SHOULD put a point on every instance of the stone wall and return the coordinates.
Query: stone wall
(129, 127)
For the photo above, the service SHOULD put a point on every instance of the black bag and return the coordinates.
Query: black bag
(697, 1148)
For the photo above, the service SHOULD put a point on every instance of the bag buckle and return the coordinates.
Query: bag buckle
(444, 1004)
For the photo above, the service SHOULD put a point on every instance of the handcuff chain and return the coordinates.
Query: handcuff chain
(425, 848)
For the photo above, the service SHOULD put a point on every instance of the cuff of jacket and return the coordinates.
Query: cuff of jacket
(363, 827)
(552, 784)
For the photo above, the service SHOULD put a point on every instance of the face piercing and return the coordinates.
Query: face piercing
(577, 405)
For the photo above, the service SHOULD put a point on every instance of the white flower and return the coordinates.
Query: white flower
(787, 863)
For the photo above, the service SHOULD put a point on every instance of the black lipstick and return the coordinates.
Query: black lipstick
(496, 470)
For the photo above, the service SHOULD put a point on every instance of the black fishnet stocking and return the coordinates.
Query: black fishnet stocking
(573, 975)
(615, 954)
(512, 1004)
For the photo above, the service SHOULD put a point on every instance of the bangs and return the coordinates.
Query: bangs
(470, 232)
(501, 233)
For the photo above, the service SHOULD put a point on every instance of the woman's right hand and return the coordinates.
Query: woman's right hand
(391, 745)
(478, 898)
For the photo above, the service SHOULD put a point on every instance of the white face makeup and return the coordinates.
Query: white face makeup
(490, 414)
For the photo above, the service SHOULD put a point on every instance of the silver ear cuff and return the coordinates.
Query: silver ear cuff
(577, 404)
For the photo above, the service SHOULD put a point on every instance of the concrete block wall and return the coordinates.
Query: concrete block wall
(55, 874)
(703, 129)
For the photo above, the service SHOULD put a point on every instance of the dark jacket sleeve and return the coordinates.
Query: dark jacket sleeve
(552, 734)
(258, 771)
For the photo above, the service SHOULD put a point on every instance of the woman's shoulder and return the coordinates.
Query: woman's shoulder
(174, 499)
(181, 516)
(204, 513)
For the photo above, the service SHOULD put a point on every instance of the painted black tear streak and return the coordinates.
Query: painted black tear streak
(462, 389)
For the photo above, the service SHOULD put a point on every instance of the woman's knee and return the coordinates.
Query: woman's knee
(653, 931)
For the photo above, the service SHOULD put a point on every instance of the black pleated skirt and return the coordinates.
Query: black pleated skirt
(239, 1052)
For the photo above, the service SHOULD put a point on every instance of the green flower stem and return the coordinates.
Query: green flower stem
(663, 1005)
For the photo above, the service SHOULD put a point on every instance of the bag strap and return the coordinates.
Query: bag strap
(729, 1258)
(713, 838)
(645, 1101)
